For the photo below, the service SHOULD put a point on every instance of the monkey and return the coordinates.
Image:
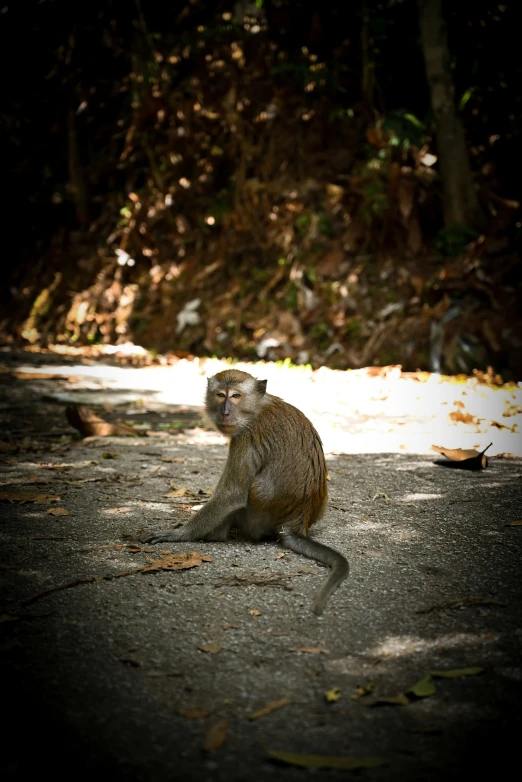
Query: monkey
(274, 484)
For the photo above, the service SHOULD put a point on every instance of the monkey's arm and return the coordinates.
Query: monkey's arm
(230, 495)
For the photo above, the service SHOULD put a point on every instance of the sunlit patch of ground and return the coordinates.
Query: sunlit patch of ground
(361, 411)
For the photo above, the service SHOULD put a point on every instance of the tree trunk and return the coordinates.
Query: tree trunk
(461, 205)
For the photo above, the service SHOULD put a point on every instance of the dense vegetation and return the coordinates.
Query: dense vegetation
(266, 179)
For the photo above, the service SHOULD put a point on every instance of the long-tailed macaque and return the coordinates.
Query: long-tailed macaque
(274, 481)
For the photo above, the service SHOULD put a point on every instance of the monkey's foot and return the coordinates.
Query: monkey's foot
(166, 536)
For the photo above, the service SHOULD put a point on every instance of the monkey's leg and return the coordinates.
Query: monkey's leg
(327, 556)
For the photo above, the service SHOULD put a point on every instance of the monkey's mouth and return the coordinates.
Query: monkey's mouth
(227, 428)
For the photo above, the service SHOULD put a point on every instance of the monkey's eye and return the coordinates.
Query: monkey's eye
(236, 396)
(220, 394)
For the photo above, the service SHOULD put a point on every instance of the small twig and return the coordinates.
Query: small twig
(460, 602)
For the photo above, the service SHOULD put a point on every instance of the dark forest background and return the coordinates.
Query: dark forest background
(333, 182)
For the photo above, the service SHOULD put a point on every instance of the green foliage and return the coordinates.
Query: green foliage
(375, 195)
(319, 333)
(453, 239)
(302, 222)
(325, 225)
(404, 129)
(291, 296)
(342, 114)
(353, 328)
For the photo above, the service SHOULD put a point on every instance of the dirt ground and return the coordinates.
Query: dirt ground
(413, 672)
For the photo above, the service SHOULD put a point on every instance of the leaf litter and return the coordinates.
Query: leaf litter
(168, 561)
(425, 687)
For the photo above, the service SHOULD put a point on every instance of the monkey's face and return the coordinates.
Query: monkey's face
(233, 400)
(227, 409)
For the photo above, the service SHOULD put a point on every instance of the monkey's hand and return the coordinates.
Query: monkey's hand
(165, 536)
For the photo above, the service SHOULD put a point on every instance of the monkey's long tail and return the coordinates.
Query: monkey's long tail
(311, 548)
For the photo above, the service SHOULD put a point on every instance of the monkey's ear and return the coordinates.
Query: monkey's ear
(261, 387)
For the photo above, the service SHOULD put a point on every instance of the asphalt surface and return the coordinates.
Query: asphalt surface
(156, 675)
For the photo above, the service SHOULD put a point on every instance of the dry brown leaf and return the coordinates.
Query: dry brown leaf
(269, 708)
(231, 626)
(462, 417)
(85, 420)
(329, 264)
(464, 458)
(181, 492)
(216, 736)
(210, 648)
(170, 561)
(22, 497)
(57, 512)
(194, 714)
(514, 524)
(254, 612)
(173, 459)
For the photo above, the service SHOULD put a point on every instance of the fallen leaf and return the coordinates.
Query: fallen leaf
(8, 618)
(423, 688)
(464, 459)
(110, 455)
(254, 612)
(269, 708)
(333, 695)
(216, 736)
(365, 689)
(328, 761)
(210, 648)
(513, 524)
(85, 420)
(231, 626)
(173, 459)
(57, 512)
(182, 492)
(170, 561)
(462, 417)
(194, 714)
(19, 496)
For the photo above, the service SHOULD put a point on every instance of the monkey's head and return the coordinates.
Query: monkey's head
(233, 400)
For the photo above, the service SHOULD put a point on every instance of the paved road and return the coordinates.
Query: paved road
(156, 675)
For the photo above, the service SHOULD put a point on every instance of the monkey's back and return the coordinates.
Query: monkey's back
(290, 466)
